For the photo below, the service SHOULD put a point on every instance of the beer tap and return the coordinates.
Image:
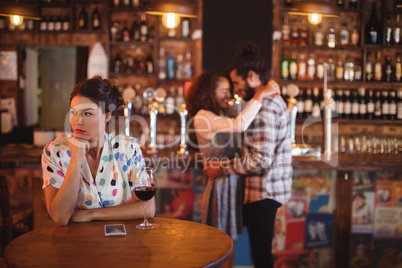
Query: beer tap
(183, 130)
(153, 111)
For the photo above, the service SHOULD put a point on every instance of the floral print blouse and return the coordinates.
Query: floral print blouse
(121, 159)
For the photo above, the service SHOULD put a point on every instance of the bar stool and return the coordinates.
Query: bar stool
(10, 215)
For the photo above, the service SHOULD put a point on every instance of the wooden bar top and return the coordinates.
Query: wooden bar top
(173, 243)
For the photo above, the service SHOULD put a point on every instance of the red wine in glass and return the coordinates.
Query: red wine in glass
(144, 193)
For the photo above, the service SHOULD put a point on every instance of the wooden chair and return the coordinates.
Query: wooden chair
(11, 216)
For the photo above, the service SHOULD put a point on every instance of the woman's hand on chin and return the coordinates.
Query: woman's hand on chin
(78, 147)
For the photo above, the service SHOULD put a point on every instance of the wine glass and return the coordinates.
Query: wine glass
(144, 189)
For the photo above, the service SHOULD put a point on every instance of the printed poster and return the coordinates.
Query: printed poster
(362, 211)
(318, 230)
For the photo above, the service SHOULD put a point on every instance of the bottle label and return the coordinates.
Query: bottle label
(362, 108)
(385, 109)
(377, 71)
(302, 71)
(320, 71)
(339, 73)
(377, 109)
(355, 108)
(293, 68)
(311, 72)
(340, 107)
(96, 23)
(308, 106)
(392, 109)
(347, 108)
(370, 107)
(399, 116)
(57, 26)
(300, 107)
(398, 72)
(318, 39)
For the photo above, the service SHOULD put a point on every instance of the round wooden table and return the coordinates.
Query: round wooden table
(173, 243)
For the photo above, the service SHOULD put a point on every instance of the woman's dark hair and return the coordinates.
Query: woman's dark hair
(248, 58)
(201, 96)
(103, 92)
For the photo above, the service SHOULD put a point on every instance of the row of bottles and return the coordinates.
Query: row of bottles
(89, 23)
(26, 25)
(353, 4)
(140, 30)
(300, 67)
(297, 35)
(175, 67)
(51, 24)
(137, 64)
(127, 3)
(352, 104)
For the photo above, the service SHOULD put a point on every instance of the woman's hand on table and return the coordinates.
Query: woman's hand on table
(81, 215)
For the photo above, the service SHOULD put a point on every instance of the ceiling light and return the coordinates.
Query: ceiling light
(17, 11)
(171, 11)
(315, 9)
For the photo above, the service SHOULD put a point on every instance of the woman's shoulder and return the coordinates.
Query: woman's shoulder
(56, 145)
(122, 142)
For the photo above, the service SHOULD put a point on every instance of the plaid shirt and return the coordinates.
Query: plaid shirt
(266, 158)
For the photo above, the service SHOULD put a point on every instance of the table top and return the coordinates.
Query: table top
(173, 243)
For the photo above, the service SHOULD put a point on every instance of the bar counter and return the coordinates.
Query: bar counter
(20, 155)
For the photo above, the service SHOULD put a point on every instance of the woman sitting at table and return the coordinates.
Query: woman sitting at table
(88, 175)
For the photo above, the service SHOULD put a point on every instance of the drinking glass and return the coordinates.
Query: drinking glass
(145, 188)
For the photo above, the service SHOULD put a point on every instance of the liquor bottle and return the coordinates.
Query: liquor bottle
(136, 3)
(58, 24)
(399, 105)
(180, 97)
(303, 34)
(318, 37)
(344, 36)
(50, 24)
(130, 65)
(339, 69)
(43, 25)
(373, 27)
(151, 32)
(388, 32)
(353, 4)
(392, 105)
(293, 66)
(126, 3)
(339, 3)
(331, 69)
(114, 30)
(139, 62)
(22, 26)
(311, 67)
(331, 38)
(370, 105)
(398, 68)
(378, 68)
(30, 25)
(135, 29)
(83, 19)
(294, 36)
(397, 31)
(316, 103)
(355, 36)
(357, 70)
(302, 67)
(96, 19)
(300, 104)
(179, 67)
(66, 23)
(340, 103)
(170, 67)
(162, 71)
(143, 28)
(185, 28)
(117, 64)
(285, 31)
(377, 104)
(384, 105)
(355, 104)
(347, 108)
(320, 67)
(285, 65)
(116, 3)
(188, 66)
(362, 103)
(125, 33)
(170, 102)
(308, 103)
(388, 69)
(149, 62)
(369, 68)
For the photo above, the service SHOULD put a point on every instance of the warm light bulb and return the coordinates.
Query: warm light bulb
(16, 20)
(314, 18)
(170, 20)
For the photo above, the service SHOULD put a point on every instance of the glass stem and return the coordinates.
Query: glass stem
(145, 213)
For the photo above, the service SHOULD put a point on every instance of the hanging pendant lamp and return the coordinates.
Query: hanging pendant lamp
(315, 10)
(17, 11)
(171, 11)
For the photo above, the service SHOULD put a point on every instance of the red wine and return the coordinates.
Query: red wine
(145, 193)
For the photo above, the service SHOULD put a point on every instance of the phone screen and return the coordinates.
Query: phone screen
(115, 230)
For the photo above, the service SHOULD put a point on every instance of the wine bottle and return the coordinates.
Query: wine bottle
(185, 28)
(347, 108)
(83, 19)
(311, 67)
(384, 105)
(388, 32)
(362, 103)
(378, 67)
(135, 29)
(369, 68)
(125, 33)
(388, 69)
(58, 24)
(117, 64)
(355, 104)
(339, 69)
(66, 23)
(331, 38)
(349, 69)
(397, 31)
(392, 105)
(170, 66)
(377, 104)
(398, 68)
(139, 63)
(357, 69)
(294, 36)
(50, 24)
(285, 31)
(293, 66)
(143, 28)
(316, 103)
(308, 103)
(129, 66)
(320, 67)
(399, 105)
(373, 29)
(331, 69)
(302, 67)
(344, 36)
(370, 105)
(340, 103)
(162, 72)
(300, 104)
(170, 101)
(96, 19)
(303, 34)
(285, 65)
(188, 66)
(149, 62)
(318, 37)
(179, 67)
(339, 3)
